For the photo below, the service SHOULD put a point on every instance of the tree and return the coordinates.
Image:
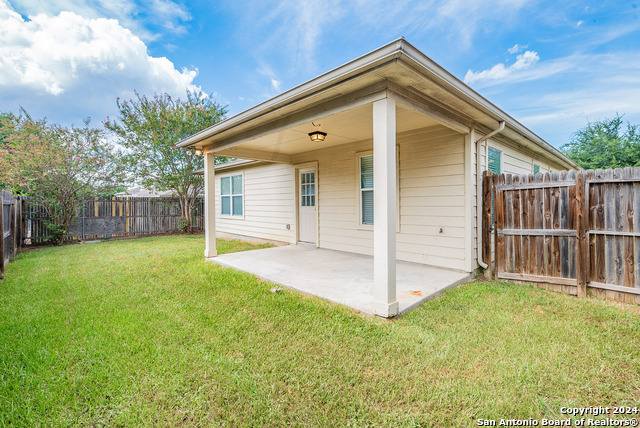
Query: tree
(60, 168)
(4, 117)
(149, 130)
(603, 144)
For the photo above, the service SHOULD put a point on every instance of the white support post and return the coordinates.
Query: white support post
(385, 303)
(210, 205)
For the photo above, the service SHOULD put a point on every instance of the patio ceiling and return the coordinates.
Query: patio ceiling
(344, 127)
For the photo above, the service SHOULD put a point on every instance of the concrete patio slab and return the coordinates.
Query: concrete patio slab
(340, 277)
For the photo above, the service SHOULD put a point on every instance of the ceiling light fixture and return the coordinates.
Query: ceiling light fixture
(317, 136)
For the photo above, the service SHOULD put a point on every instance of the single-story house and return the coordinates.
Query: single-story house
(381, 157)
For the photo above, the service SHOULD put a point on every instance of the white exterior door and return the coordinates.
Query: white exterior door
(307, 206)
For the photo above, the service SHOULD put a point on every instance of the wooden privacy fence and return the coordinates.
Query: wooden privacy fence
(567, 231)
(112, 217)
(9, 229)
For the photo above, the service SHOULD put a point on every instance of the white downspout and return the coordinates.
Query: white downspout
(498, 130)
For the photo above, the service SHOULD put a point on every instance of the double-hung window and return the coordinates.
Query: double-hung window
(366, 190)
(231, 196)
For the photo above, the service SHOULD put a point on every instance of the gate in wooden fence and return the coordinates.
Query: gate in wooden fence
(566, 231)
(9, 229)
(112, 217)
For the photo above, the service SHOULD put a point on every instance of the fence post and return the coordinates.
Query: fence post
(126, 228)
(494, 193)
(149, 213)
(14, 230)
(487, 188)
(24, 229)
(498, 207)
(581, 241)
(83, 208)
(1, 235)
(20, 222)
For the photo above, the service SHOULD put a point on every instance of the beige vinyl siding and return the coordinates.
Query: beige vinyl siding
(432, 187)
(431, 197)
(520, 161)
(269, 203)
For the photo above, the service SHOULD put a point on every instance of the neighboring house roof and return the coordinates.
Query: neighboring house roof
(140, 192)
(397, 66)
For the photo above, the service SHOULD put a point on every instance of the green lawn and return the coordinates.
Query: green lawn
(145, 332)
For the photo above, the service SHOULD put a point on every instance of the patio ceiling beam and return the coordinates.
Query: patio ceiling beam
(252, 154)
(429, 108)
(336, 105)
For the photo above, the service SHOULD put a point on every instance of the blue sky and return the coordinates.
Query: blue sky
(552, 65)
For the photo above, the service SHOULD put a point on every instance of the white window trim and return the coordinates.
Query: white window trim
(359, 224)
(231, 216)
(359, 156)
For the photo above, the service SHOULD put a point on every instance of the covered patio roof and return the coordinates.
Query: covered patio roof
(426, 93)
(347, 126)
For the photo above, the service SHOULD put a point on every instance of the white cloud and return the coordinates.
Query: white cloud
(516, 49)
(607, 83)
(171, 15)
(166, 15)
(468, 17)
(297, 26)
(502, 72)
(72, 63)
(558, 114)
(266, 70)
(560, 96)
